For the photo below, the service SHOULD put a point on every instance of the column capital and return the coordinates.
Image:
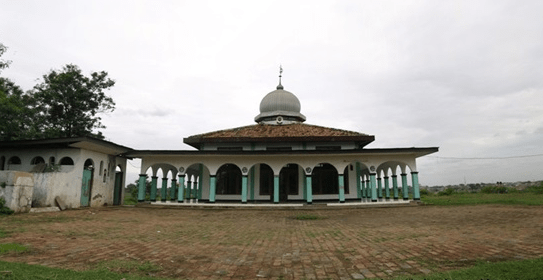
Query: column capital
(154, 177)
(394, 176)
(414, 172)
(404, 174)
(143, 175)
(174, 180)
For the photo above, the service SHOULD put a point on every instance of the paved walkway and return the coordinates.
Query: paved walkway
(189, 243)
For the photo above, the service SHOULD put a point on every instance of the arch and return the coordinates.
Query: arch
(86, 186)
(118, 187)
(348, 172)
(14, 160)
(69, 161)
(37, 160)
(228, 179)
(2, 162)
(266, 179)
(289, 181)
(324, 179)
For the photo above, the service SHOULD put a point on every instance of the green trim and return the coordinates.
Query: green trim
(212, 188)
(181, 192)
(153, 188)
(275, 189)
(244, 189)
(341, 185)
(304, 187)
(164, 189)
(141, 187)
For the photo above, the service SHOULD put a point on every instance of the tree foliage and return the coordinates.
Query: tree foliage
(65, 103)
(68, 102)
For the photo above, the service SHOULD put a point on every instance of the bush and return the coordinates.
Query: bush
(447, 191)
(494, 189)
(535, 189)
(3, 209)
(424, 192)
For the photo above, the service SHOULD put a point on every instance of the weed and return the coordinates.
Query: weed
(308, 217)
(12, 247)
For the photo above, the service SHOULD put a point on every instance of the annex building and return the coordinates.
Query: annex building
(280, 159)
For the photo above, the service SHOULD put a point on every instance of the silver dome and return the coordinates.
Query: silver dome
(280, 103)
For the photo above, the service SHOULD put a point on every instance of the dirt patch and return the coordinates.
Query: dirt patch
(249, 244)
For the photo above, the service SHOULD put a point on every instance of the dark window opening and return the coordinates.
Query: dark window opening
(346, 178)
(288, 179)
(266, 180)
(228, 180)
(230, 148)
(37, 160)
(68, 161)
(278, 148)
(14, 160)
(324, 179)
(327, 148)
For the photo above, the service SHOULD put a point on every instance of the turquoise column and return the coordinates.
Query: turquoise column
(181, 192)
(387, 188)
(212, 188)
(164, 189)
(368, 188)
(244, 189)
(405, 188)
(187, 191)
(309, 189)
(275, 189)
(379, 188)
(395, 186)
(194, 192)
(153, 188)
(252, 184)
(141, 187)
(373, 188)
(415, 181)
(358, 185)
(341, 185)
(173, 189)
(363, 185)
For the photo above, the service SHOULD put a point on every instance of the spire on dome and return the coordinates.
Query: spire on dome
(280, 86)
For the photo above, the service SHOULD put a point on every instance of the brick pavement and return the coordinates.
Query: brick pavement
(270, 244)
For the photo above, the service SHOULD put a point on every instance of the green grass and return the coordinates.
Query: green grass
(308, 217)
(129, 199)
(19, 271)
(525, 269)
(12, 247)
(518, 198)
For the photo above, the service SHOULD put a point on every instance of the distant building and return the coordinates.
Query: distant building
(281, 159)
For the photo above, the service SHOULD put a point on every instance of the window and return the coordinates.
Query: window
(14, 160)
(66, 161)
(37, 160)
(228, 180)
(278, 148)
(288, 179)
(327, 148)
(229, 148)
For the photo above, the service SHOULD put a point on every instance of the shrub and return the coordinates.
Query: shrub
(3, 209)
(494, 189)
(424, 192)
(447, 191)
(535, 189)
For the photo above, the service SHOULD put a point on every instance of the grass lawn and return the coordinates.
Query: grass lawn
(484, 198)
(525, 269)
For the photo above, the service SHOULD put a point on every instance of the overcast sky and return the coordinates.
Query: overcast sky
(466, 76)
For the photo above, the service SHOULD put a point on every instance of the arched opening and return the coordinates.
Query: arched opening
(51, 160)
(2, 162)
(288, 181)
(346, 173)
(69, 161)
(324, 179)
(37, 160)
(228, 179)
(118, 188)
(14, 160)
(266, 180)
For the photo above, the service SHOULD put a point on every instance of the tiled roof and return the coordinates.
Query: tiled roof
(272, 133)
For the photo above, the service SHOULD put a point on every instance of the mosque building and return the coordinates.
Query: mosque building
(281, 159)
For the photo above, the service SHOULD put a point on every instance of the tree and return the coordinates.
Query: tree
(68, 102)
(16, 112)
(3, 63)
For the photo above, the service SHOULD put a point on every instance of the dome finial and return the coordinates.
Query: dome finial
(280, 86)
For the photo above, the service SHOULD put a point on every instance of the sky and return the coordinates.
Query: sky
(464, 76)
